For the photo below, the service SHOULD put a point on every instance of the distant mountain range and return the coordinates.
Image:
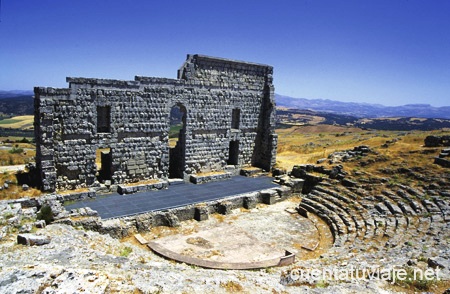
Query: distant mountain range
(15, 93)
(16, 102)
(364, 109)
(20, 102)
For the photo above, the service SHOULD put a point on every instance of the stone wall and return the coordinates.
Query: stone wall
(131, 121)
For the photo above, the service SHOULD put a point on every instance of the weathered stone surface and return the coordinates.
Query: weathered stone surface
(172, 220)
(225, 207)
(250, 202)
(444, 158)
(201, 213)
(437, 141)
(40, 224)
(269, 196)
(229, 120)
(31, 239)
(201, 179)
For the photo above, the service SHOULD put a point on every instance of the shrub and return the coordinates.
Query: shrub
(46, 214)
(16, 150)
(24, 140)
(126, 251)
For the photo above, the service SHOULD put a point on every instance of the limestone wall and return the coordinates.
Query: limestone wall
(130, 119)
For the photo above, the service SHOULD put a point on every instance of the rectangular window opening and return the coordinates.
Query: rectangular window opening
(235, 118)
(103, 119)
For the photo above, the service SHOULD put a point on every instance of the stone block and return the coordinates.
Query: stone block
(201, 213)
(269, 196)
(40, 224)
(225, 207)
(250, 202)
(172, 220)
(303, 212)
(31, 239)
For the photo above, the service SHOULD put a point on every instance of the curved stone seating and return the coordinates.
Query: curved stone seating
(390, 220)
(352, 209)
(324, 217)
(415, 205)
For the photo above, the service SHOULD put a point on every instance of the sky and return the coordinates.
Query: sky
(390, 52)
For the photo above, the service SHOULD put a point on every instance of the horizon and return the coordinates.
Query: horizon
(391, 53)
(31, 92)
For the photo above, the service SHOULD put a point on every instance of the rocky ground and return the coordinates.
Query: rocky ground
(78, 260)
(384, 217)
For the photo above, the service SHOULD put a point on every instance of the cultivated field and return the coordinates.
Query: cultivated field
(24, 122)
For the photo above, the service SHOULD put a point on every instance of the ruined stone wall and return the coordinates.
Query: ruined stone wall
(132, 119)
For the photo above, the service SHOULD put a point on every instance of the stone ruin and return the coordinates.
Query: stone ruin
(437, 141)
(227, 110)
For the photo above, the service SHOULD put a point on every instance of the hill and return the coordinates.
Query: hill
(364, 109)
(300, 111)
(18, 105)
(287, 118)
(15, 93)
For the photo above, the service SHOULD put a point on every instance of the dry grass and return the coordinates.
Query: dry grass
(14, 191)
(67, 192)
(307, 144)
(211, 173)
(24, 122)
(145, 182)
(7, 158)
(232, 286)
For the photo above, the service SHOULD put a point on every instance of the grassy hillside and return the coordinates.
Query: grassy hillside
(307, 144)
(23, 122)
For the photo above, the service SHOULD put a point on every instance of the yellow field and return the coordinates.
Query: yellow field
(307, 144)
(24, 122)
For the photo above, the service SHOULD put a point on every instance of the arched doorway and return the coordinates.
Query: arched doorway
(177, 141)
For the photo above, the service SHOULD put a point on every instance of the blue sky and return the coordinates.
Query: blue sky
(391, 52)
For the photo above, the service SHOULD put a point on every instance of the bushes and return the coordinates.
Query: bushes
(46, 214)
(16, 150)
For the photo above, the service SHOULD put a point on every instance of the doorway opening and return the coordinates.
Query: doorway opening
(103, 161)
(177, 141)
(233, 153)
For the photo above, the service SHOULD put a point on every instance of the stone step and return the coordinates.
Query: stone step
(393, 208)
(382, 209)
(406, 209)
(431, 206)
(140, 239)
(380, 227)
(391, 195)
(341, 228)
(415, 205)
(443, 205)
(370, 227)
(324, 217)
(346, 219)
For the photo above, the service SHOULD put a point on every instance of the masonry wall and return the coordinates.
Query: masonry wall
(131, 118)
